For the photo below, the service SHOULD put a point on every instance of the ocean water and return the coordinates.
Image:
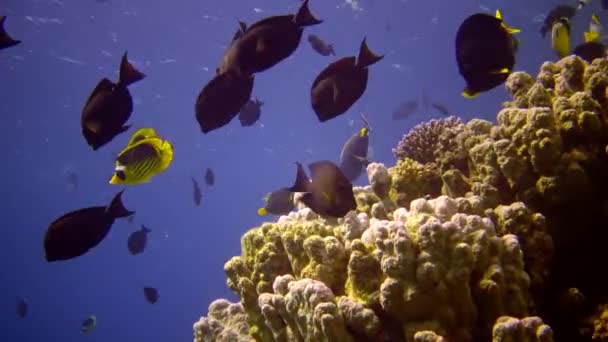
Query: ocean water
(68, 45)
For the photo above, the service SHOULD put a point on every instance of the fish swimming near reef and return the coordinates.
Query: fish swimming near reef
(320, 46)
(137, 241)
(341, 84)
(328, 192)
(278, 202)
(267, 42)
(557, 12)
(353, 157)
(484, 52)
(109, 107)
(250, 113)
(592, 48)
(560, 37)
(76, 232)
(222, 99)
(151, 294)
(145, 156)
(5, 39)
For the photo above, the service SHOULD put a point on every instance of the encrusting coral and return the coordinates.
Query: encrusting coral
(505, 223)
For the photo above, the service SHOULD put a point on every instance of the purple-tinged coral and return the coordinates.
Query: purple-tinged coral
(422, 142)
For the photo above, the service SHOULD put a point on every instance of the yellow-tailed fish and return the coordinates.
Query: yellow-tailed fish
(595, 28)
(560, 37)
(145, 156)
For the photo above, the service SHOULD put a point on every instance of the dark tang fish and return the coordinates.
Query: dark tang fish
(88, 324)
(590, 51)
(197, 192)
(222, 99)
(250, 113)
(5, 40)
(137, 240)
(321, 46)
(341, 84)
(109, 107)
(209, 177)
(267, 42)
(484, 52)
(353, 157)
(151, 294)
(74, 233)
(278, 202)
(329, 193)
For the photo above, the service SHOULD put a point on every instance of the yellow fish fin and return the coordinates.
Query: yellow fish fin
(262, 212)
(595, 19)
(469, 94)
(166, 154)
(115, 180)
(511, 30)
(591, 36)
(502, 71)
(141, 134)
(363, 132)
(498, 14)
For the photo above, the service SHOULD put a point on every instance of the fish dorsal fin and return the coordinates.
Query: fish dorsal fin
(509, 29)
(304, 17)
(141, 134)
(302, 182)
(128, 74)
(366, 56)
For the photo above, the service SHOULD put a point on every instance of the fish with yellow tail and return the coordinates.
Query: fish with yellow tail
(145, 156)
(592, 48)
(485, 52)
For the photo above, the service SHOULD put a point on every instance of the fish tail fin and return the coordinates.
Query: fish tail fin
(366, 56)
(145, 229)
(128, 74)
(469, 94)
(116, 209)
(262, 212)
(304, 17)
(166, 154)
(302, 183)
(331, 49)
(591, 36)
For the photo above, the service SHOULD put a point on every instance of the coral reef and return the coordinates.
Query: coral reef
(504, 224)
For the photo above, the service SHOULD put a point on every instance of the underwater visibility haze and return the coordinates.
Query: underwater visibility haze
(400, 170)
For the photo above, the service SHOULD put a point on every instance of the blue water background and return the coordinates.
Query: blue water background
(69, 45)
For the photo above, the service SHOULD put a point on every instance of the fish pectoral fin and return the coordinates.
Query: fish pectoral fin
(501, 71)
(469, 94)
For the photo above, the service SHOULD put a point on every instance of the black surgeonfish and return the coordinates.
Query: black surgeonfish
(109, 107)
(267, 42)
(22, 308)
(250, 113)
(353, 157)
(137, 241)
(5, 39)
(278, 202)
(151, 294)
(328, 192)
(76, 232)
(341, 84)
(320, 46)
(209, 177)
(605, 4)
(484, 52)
(557, 12)
(222, 99)
(197, 192)
(592, 48)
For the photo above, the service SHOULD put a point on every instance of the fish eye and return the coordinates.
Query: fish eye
(121, 175)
